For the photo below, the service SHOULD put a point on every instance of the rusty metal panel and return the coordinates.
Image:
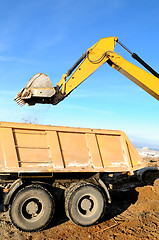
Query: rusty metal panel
(2, 162)
(32, 155)
(55, 150)
(30, 139)
(8, 148)
(32, 147)
(74, 149)
(47, 148)
(94, 152)
(111, 151)
(135, 158)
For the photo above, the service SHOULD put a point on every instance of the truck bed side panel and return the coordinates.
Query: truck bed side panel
(27, 147)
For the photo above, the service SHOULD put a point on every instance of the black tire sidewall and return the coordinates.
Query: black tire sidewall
(46, 215)
(100, 200)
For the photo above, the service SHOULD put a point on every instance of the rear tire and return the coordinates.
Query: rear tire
(32, 208)
(85, 204)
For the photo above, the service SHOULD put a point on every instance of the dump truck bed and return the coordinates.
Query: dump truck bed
(40, 148)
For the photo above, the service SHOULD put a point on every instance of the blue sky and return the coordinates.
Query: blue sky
(49, 36)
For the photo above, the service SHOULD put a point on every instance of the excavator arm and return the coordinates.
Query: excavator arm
(39, 89)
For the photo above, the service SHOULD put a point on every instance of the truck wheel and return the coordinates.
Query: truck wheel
(85, 204)
(32, 208)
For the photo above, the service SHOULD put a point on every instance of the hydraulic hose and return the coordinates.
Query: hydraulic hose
(140, 60)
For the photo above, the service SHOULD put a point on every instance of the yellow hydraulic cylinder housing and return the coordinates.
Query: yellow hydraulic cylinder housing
(39, 89)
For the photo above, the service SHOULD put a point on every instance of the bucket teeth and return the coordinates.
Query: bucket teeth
(39, 89)
(19, 101)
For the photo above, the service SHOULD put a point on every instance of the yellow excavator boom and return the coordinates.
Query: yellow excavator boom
(40, 90)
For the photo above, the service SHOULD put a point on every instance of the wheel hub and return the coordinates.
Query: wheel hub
(32, 208)
(86, 204)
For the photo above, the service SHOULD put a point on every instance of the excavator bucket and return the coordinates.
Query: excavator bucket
(39, 89)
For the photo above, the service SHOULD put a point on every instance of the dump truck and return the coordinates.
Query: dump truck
(36, 159)
(84, 163)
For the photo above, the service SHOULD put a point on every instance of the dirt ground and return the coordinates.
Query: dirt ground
(134, 214)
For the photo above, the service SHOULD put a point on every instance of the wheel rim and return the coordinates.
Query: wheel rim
(32, 208)
(87, 205)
